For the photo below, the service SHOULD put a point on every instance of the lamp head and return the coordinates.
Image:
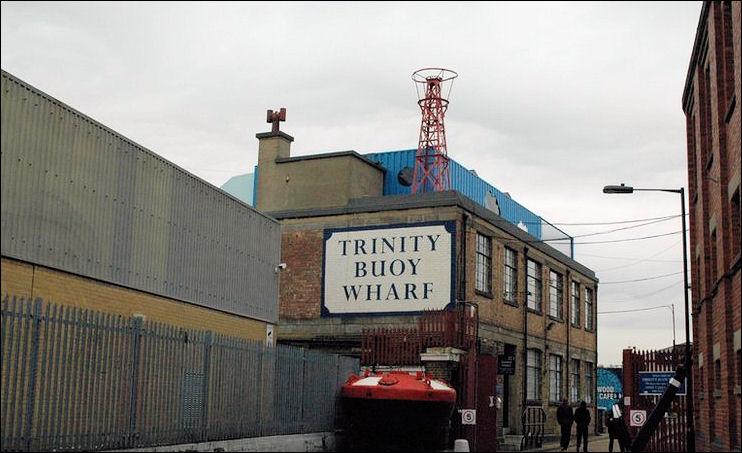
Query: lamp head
(623, 188)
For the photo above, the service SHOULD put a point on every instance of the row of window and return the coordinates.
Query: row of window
(534, 284)
(577, 370)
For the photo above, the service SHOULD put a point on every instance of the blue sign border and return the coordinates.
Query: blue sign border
(663, 376)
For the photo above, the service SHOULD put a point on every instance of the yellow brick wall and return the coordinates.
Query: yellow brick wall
(24, 279)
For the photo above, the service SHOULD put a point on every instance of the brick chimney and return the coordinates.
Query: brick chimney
(272, 145)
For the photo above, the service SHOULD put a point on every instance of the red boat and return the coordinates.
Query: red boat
(397, 411)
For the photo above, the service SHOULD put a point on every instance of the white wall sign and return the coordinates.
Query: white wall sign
(391, 269)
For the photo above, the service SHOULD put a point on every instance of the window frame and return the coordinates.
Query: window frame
(556, 370)
(556, 292)
(510, 281)
(575, 304)
(533, 374)
(534, 299)
(483, 267)
(574, 380)
(589, 382)
(589, 305)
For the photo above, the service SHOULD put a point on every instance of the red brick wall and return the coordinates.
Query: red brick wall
(301, 281)
(712, 107)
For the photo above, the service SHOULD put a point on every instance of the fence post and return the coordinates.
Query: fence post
(303, 387)
(31, 399)
(208, 341)
(136, 357)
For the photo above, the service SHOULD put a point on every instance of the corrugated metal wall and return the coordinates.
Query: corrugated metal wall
(463, 181)
(78, 197)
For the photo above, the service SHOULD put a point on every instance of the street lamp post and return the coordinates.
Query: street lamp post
(690, 433)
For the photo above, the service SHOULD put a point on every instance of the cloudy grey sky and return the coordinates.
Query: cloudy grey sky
(553, 101)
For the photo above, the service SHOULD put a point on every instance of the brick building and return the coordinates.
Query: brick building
(358, 257)
(93, 220)
(711, 102)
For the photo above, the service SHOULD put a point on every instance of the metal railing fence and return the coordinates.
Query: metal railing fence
(75, 379)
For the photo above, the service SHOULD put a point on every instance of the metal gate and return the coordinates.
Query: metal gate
(671, 432)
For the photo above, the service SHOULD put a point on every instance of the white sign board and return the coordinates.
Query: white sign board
(388, 269)
(468, 416)
(637, 418)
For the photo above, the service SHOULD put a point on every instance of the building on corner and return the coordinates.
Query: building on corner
(362, 252)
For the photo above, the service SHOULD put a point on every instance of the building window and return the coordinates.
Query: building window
(717, 374)
(533, 375)
(588, 309)
(574, 382)
(556, 284)
(484, 264)
(589, 382)
(575, 304)
(511, 276)
(534, 285)
(555, 378)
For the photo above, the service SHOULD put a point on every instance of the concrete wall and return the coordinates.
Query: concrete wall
(297, 442)
(318, 181)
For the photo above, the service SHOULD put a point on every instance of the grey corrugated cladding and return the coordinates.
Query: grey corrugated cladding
(78, 197)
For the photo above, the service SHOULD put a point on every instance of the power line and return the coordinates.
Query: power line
(625, 240)
(642, 279)
(613, 230)
(634, 262)
(629, 311)
(639, 296)
(620, 222)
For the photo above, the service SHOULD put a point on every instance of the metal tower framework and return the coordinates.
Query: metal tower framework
(431, 160)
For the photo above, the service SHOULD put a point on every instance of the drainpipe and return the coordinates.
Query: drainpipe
(525, 330)
(462, 288)
(568, 322)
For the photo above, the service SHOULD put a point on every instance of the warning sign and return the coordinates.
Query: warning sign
(637, 418)
(468, 416)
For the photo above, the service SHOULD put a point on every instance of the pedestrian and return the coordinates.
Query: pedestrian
(611, 424)
(617, 430)
(565, 419)
(582, 420)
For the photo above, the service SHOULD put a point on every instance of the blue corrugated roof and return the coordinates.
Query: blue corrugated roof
(462, 180)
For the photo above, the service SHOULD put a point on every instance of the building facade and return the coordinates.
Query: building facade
(357, 258)
(93, 220)
(711, 102)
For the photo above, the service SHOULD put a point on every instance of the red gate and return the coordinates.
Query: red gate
(671, 432)
(474, 379)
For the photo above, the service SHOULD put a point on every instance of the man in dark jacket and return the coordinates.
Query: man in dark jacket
(582, 420)
(565, 419)
(617, 430)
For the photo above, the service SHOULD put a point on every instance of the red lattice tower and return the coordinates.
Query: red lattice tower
(431, 160)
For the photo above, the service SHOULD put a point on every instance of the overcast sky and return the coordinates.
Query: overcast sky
(553, 101)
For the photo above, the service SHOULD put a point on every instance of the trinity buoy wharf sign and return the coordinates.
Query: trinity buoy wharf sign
(390, 269)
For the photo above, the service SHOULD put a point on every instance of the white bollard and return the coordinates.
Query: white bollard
(460, 445)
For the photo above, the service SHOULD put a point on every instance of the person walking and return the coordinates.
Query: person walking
(582, 420)
(611, 424)
(565, 419)
(617, 430)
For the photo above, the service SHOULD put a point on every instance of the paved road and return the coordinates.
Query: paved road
(594, 443)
